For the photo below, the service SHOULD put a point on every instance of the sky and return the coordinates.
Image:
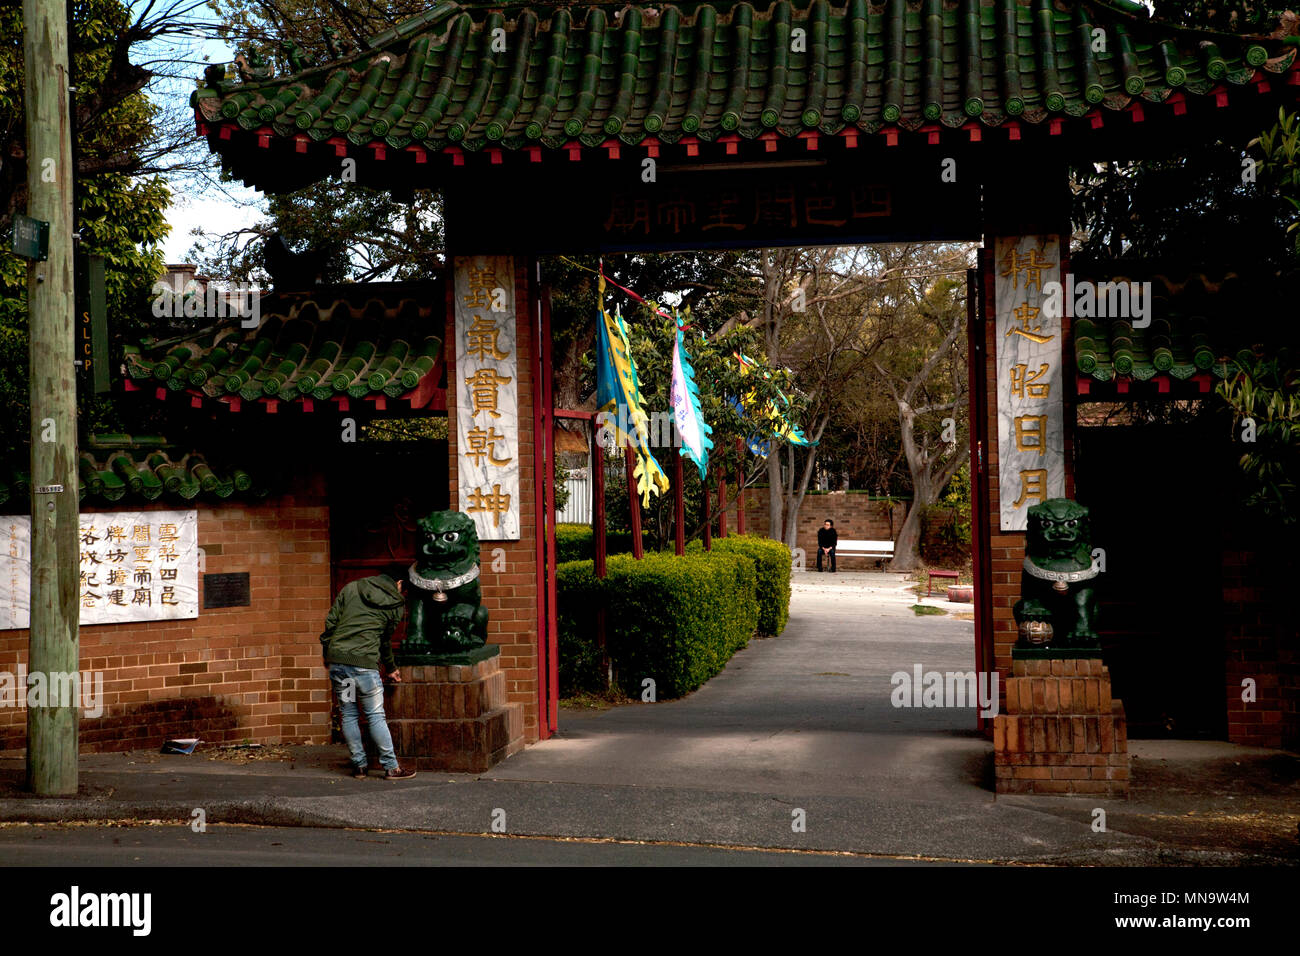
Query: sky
(214, 210)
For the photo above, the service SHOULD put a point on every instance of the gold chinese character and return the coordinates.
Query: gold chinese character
(482, 442)
(479, 282)
(483, 390)
(1026, 313)
(1032, 265)
(168, 532)
(115, 533)
(481, 339)
(1033, 486)
(88, 599)
(140, 532)
(117, 576)
(1031, 433)
(167, 552)
(142, 553)
(1025, 384)
(493, 501)
(168, 596)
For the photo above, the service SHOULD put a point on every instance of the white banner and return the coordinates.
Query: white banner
(135, 566)
(1031, 410)
(487, 395)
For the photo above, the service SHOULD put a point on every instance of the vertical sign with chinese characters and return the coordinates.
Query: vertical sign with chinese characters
(487, 397)
(135, 566)
(1031, 413)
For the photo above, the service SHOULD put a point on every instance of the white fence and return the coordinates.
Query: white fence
(577, 509)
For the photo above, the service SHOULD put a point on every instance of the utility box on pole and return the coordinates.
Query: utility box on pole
(53, 642)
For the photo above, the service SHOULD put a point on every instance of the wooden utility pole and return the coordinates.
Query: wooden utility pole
(53, 640)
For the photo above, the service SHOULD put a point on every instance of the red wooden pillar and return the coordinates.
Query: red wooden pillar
(708, 518)
(722, 506)
(598, 502)
(634, 503)
(740, 487)
(679, 505)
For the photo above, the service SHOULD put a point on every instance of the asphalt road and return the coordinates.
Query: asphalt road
(62, 845)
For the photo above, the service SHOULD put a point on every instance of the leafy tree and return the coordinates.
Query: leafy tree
(364, 234)
(119, 195)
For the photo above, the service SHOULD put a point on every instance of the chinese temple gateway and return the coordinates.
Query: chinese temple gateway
(660, 127)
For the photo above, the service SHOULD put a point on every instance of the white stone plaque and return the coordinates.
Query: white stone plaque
(1031, 411)
(135, 566)
(487, 395)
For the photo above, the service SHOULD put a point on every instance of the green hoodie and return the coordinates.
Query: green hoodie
(359, 627)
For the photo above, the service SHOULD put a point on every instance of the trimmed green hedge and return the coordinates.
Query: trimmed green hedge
(674, 619)
(577, 542)
(772, 564)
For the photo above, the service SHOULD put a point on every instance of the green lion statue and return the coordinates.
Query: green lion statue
(446, 610)
(1058, 606)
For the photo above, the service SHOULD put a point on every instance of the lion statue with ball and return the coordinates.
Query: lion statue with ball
(1058, 606)
(447, 614)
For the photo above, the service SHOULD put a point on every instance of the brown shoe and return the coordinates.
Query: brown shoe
(359, 772)
(397, 773)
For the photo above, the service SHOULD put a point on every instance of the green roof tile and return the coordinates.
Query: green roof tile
(1198, 323)
(133, 474)
(584, 74)
(311, 345)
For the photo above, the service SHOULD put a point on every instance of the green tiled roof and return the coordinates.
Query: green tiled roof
(313, 346)
(667, 71)
(1198, 324)
(134, 474)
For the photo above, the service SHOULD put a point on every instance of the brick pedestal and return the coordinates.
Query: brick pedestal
(1061, 732)
(454, 717)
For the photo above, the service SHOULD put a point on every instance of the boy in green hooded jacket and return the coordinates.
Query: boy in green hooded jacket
(356, 640)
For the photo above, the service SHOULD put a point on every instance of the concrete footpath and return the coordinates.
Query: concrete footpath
(794, 745)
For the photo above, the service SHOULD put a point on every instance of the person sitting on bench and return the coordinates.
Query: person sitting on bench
(826, 541)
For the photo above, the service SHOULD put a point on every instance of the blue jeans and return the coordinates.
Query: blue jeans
(359, 685)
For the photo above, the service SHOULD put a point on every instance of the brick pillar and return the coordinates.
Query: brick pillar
(1061, 731)
(510, 595)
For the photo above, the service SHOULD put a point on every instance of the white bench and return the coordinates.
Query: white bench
(852, 547)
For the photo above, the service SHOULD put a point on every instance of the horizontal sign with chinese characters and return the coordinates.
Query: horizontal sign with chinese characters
(135, 566)
(1031, 413)
(487, 395)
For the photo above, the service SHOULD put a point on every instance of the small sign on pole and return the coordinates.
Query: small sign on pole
(30, 238)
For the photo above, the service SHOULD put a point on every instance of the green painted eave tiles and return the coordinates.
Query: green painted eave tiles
(139, 475)
(588, 74)
(1195, 327)
(320, 350)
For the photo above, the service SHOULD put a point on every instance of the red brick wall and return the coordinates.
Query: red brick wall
(230, 674)
(1260, 643)
(510, 596)
(855, 516)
